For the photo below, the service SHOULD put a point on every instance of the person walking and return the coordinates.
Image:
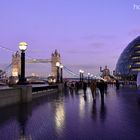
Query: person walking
(93, 89)
(101, 86)
(84, 87)
(117, 85)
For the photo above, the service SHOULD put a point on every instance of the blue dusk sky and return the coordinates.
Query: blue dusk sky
(87, 33)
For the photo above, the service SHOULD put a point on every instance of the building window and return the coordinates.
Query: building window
(136, 69)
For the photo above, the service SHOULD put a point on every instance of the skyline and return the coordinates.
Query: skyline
(88, 34)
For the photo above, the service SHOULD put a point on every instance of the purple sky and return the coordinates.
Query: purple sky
(87, 33)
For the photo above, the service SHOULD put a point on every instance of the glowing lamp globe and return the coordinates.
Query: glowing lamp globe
(23, 46)
(57, 64)
(61, 66)
(80, 71)
(91, 75)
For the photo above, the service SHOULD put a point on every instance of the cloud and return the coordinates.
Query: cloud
(87, 66)
(89, 48)
(38, 51)
(98, 36)
(97, 44)
(85, 51)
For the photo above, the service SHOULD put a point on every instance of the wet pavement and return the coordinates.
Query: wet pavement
(71, 116)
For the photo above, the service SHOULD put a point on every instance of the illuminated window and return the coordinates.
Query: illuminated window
(14, 72)
(138, 46)
(136, 57)
(137, 52)
(137, 63)
(137, 69)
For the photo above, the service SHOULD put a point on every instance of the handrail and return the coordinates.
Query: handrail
(42, 88)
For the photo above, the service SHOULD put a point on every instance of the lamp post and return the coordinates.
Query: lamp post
(80, 71)
(61, 69)
(91, 76)
(57, 77)
(22, 47)
(88, 77)
(82, 75)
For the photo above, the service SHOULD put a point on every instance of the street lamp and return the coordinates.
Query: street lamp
(22, 47)
(82, 75)
(88, 77)
(57, 65)
(61, 78)
(80, 71)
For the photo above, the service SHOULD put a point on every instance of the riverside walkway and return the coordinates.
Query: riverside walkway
(71, 116)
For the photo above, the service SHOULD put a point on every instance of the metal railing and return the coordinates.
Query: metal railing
(44, 88)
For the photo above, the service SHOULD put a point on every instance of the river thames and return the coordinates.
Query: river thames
(71, 116)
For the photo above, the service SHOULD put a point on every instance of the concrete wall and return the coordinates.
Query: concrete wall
(19, 94)
(10, 96)
(23, 94)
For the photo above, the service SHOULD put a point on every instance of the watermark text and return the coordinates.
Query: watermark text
(136, 6)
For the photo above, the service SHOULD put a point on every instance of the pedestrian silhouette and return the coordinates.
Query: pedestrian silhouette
(101, 87)
(93, 89)
(117, 85)
(84, 87)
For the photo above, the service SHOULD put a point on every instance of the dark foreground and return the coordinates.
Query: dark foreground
(70, 116)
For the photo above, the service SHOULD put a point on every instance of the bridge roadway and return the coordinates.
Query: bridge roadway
(70, 116)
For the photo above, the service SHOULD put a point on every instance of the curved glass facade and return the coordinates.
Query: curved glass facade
(129, 61)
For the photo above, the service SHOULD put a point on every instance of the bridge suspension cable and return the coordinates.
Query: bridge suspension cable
(71, 72)
(7, 49)
(12, 51)
(6, 69)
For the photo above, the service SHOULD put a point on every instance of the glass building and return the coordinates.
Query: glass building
(128, 64)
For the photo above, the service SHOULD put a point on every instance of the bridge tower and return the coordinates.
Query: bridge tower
(16, 64)
(55, 58)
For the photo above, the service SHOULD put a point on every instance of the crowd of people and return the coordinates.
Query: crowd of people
(101, 85)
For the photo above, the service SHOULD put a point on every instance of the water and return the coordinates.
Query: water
(70, 116)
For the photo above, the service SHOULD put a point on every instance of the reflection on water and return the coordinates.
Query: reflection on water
(82, 107)
(85, 97)
(103, 112)
(99, 112)
(94, 111)
(24, 112)
(59, 118)
(74, 115)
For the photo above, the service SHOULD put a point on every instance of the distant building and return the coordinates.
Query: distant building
(128, 65)
(106, 73)
(114, 72)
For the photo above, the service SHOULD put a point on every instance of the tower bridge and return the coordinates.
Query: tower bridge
(16, 62)
(14, 68)
(15, 65)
